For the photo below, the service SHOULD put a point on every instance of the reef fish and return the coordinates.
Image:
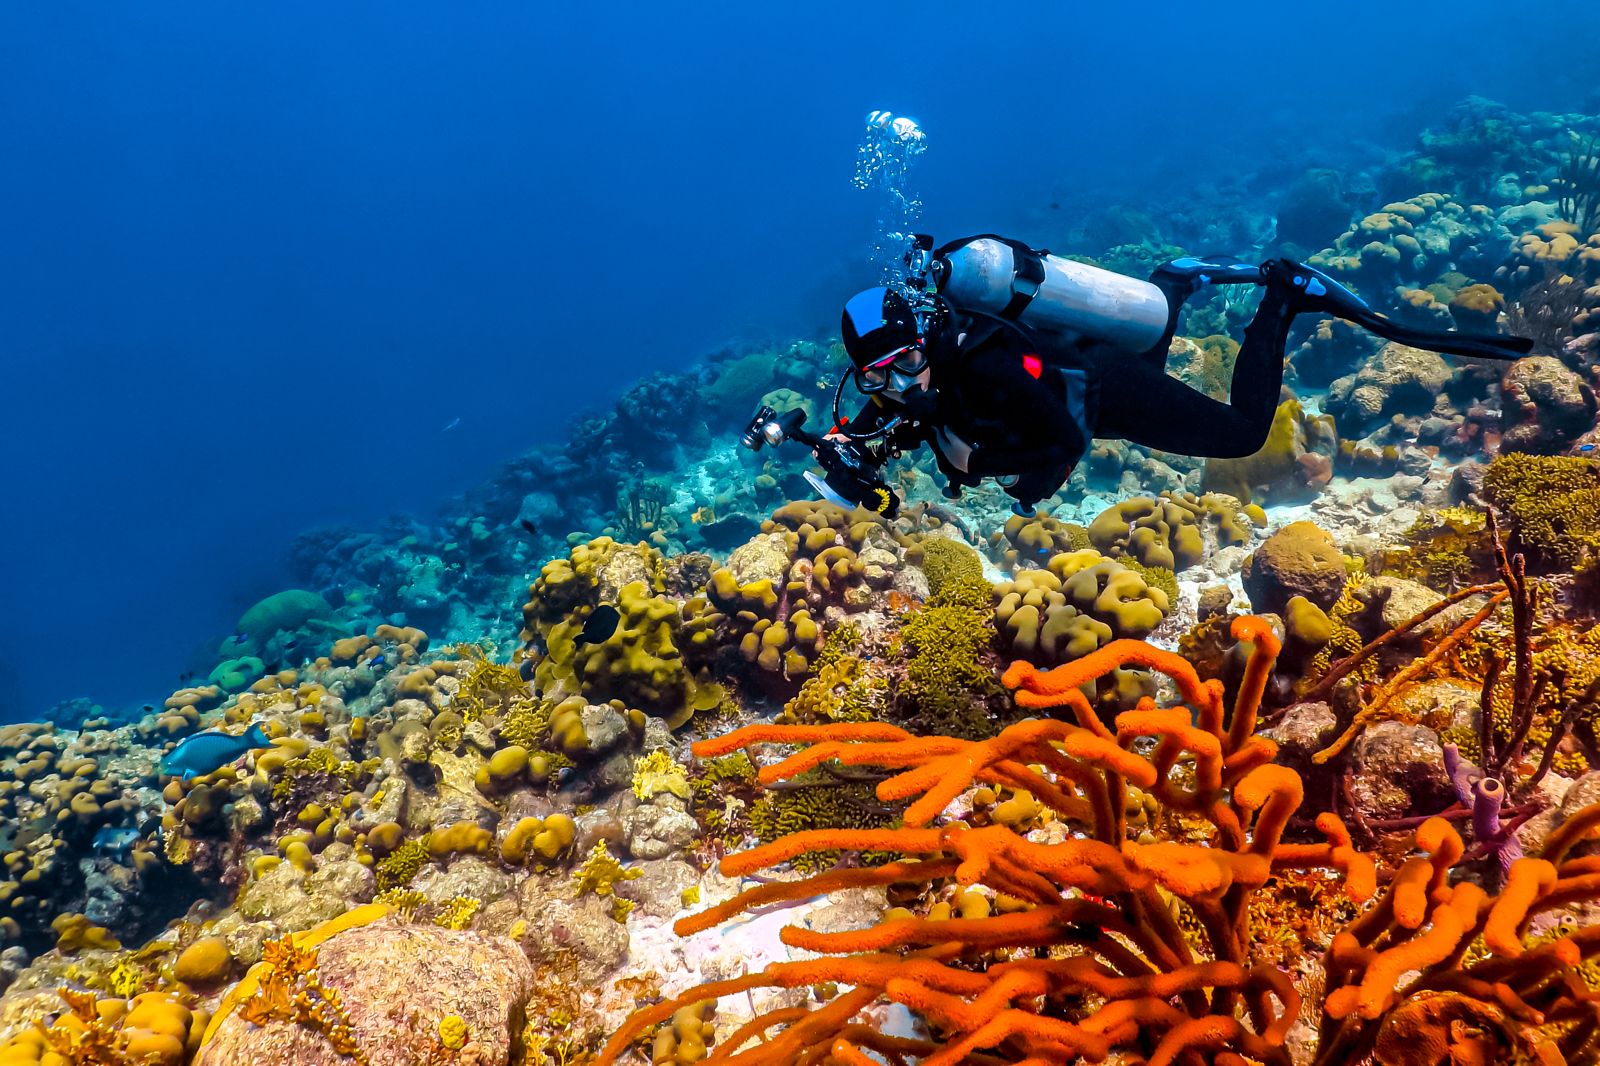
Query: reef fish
(204, 752)
(601, 624)
(115, 841)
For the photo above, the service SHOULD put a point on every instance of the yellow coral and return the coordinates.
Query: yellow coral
(457, 912)
(400, 867)
(600, 872)
(453, 1031)
(405, 902)
(657, 772)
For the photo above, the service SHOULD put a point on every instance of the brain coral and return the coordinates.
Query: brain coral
(1167, 531)
(1398, 380)
(1082, 602)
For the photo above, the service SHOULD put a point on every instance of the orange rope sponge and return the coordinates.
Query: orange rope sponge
(1048, 689)
(1100, 904)
(1101, 944)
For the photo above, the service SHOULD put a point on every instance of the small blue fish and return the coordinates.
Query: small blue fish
(376, 661)
(115, 841)
(202, 753)
(1586, 447)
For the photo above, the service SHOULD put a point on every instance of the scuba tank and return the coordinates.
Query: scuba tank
(1002, 277)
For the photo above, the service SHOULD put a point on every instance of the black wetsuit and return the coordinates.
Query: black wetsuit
(1142, 403)
(1028, 407)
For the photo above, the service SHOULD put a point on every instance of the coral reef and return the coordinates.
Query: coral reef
(393, 819)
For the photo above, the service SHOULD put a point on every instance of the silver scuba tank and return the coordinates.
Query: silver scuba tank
(1050, 293)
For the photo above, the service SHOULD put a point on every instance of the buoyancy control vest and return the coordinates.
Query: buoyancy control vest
(1003, 410)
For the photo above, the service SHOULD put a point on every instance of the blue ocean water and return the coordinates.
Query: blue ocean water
(269, 268)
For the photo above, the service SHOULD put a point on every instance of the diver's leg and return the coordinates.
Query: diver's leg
(1180, 279)
(1141, 403)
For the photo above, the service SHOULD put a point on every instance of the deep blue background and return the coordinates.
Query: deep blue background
(254, 258)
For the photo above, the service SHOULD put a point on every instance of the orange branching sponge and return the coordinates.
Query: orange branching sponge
(290, 991)
(1532, 1000)
(1155, 935)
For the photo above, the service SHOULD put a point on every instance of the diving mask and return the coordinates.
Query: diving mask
(896, 368)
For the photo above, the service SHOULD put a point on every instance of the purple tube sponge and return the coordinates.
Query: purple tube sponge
(1484, 796)
(1463, 775)
(1488, 796)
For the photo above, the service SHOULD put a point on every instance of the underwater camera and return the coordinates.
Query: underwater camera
(768, 427)
(850, 475)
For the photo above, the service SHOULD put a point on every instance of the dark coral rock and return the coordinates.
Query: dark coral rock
(1298, 560)
(1545, 405)
(1397, 770)
(1398, 380)
(1300, 732)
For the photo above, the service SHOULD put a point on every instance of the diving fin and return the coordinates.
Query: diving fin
(1213, 270)
(1314, 292)
(1444, 341)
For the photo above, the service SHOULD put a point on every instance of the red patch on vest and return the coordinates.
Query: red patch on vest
(1033, 364)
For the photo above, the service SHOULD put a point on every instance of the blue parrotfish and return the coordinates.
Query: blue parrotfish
(204, 752)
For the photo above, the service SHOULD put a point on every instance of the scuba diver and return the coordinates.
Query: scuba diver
(1008, 361)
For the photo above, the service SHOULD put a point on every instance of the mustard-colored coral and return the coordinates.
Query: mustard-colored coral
(658, 773)
(945, 559)
(1082, 602)
(946, 686)
(840, 688)
(453, 1031)
(489, 688)
(1444, 549)
(457, 912)
(405, 862)
(1168, 531)
(1551, 504)
(600, 872)
(74, 932)
(152, 1029)
(404, 902)
(525, 723)
(1031, 539)
(826, 804)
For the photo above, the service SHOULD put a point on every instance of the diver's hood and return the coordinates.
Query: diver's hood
(876, 322)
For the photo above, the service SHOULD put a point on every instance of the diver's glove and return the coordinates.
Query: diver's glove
(851, 478)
